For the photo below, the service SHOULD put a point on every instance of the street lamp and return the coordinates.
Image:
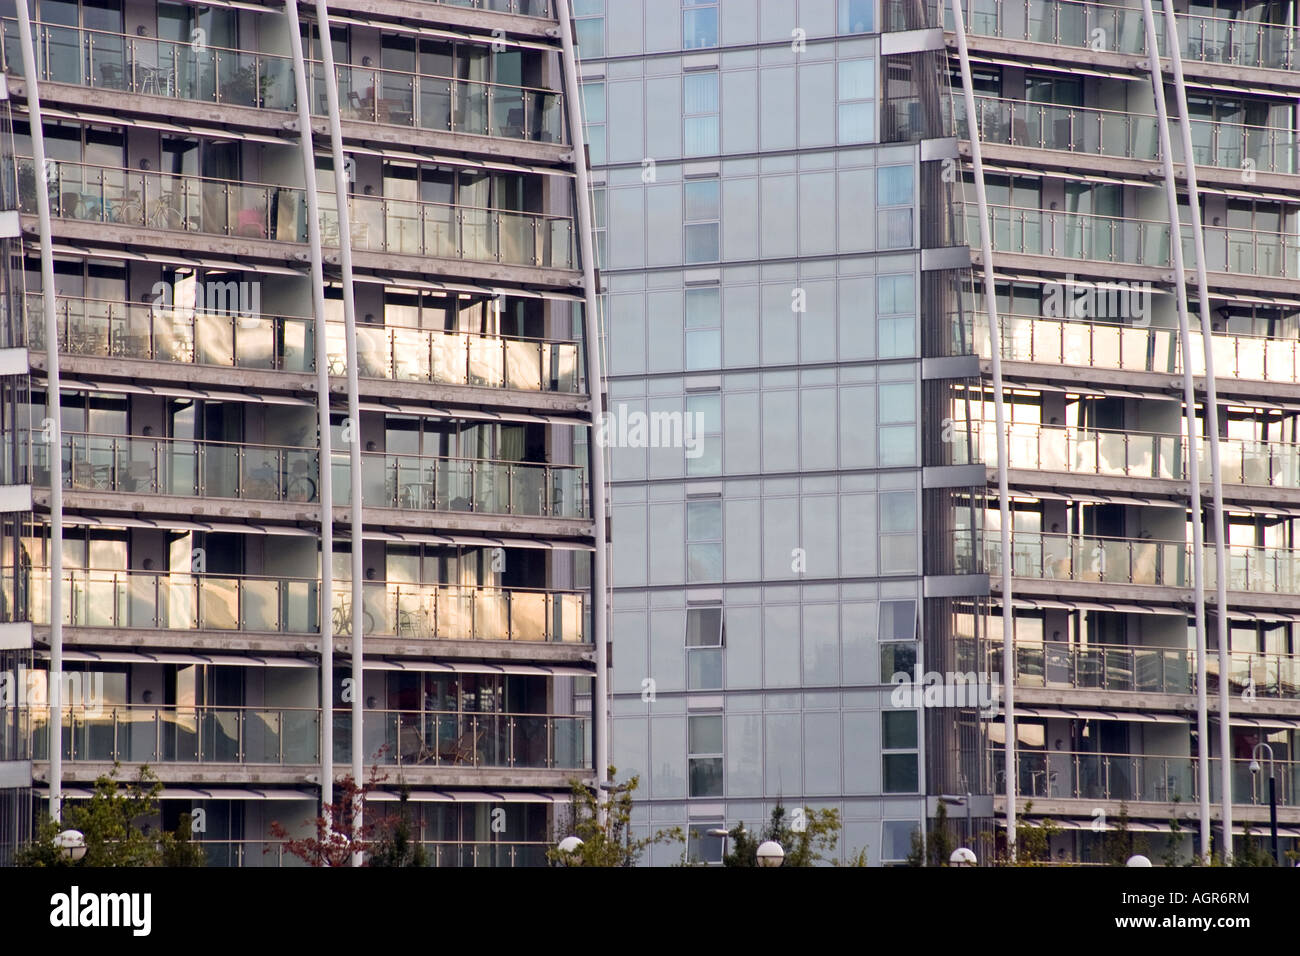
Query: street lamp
(1272, 793)
(962, 856)
(770, 853)
(1138, 860)
(570, 844)
(72, 844)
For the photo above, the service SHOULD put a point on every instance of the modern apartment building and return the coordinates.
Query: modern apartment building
(321, 476)
(1122, 483)
(760, 271)
(792, 266)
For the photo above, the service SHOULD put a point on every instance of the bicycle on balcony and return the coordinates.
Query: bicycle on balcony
(342, 619)
(162, 212)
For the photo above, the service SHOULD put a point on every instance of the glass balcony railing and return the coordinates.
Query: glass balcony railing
(250, 210)
(1125, 135)
(450, 611)
(1128, 454)
(152, 67)
(1087, 558)
(1070, 235)
(420, 483)
(439, 853)
(1071, 23)
(111, 329)
(134, 733)
(422, 101)
(1138, 777)
(421, 738)
(247, 735)
(1157, 670)
(524, 8)
(210, 74)
(1082, 343)
(224, 602)
(209, 469)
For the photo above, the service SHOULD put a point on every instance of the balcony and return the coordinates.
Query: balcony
(1129, 454)
(153, 67)
(178, 601)
(1081, 343)
(1074, 24)
(1141, 561)
(231, 77)
(439, 853)
(248, 472)
(1141, 778)
(142, 734)
(430, 739)
(1125, 135)
(450, 104)
(1074, 236)
(249, 210)
(137, 734)
(154, 333)
(1152, 670)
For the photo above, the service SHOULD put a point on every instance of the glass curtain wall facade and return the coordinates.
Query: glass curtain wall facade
(759, 252)
(189, 441)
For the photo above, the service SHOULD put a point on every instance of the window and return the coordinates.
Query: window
(898, 543)
(857, 90)
(897, 620)
(703, 541)
(598, 206)
(897, 430)
(699, 24)
(704, 643)
(896, 839)
(703, 329)
(703, 212)
(704, 763)
(703, 846)
(856, 16)
(898, 732)
(700, 112)
(896, 316)
(897, 659)
(897, 633)
(593, 101)
(704, 429)
(894, 187)
(589, 26)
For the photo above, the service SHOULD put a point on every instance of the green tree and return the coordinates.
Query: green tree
(110, 822)
(395, 843)
(1120, 844)
(936, 849)
(806, 845)
(608, 842)
(1033, 842)
(1252, 852)
(337, 836)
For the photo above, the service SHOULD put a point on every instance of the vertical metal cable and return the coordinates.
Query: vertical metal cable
(1000, 414)
(1211, 427)
(1189, 403)
(354, 399)
(53, 409)
(326, 483)
(595, 383)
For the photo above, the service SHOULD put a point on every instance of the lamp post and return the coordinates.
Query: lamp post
(1138, 860)
(1272, 793)
(770, 853)
(72, 844)
(962, 856)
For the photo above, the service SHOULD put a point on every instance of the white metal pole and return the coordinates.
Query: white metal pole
(595, 385)
(353, 435)
(1000, 415)
(1211, 427)
(325, 486)
(1179, 279)
(53, 409)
